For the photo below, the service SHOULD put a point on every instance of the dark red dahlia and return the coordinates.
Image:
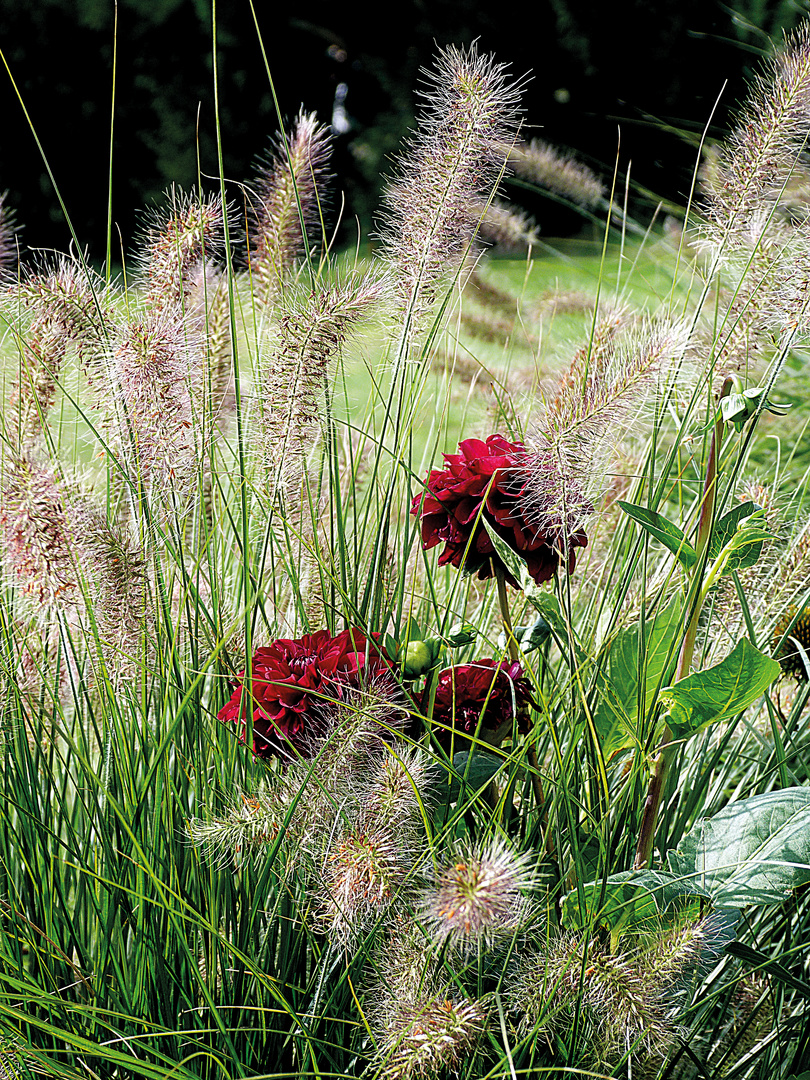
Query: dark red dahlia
(489, 692)
(485, 481)
(292, 683)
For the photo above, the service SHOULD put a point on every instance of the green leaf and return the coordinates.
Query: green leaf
(664, 531)
(743, 530)
(723, 690)
(529, 637)
(470, 770)
(616, 710)
(636, 899)
(752, 852)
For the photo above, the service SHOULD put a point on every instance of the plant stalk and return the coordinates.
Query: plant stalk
(666, 748)
(514, 656)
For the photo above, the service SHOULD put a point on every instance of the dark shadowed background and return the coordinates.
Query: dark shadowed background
(653, 70)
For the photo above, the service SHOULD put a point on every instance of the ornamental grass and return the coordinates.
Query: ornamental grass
(403, 658)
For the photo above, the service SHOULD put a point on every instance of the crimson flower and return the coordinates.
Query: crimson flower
(484, 482)
(294, 680)
(489, 692)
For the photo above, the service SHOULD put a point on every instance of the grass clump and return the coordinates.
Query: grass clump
(326, 755)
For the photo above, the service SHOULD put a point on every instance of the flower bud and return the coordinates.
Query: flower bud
(418, 658)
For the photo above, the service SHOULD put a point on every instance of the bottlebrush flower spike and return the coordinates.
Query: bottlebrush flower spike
(366, 868)
(68, 305)
(154, 375)
(396, 787)
(39, 542)
(423, 1038)
(310, 334)
(543, 164)
(250, 823)
(8, 244)
(455, 158)
(569, 447)
(479, 896)
(289, 192)
(177, 239)
(501, 224)
(763, 151)
(207, 313)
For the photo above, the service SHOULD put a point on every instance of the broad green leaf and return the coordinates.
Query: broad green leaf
(723, 690)
(529, 637)
(510, 558)
(664, 531)
(636, 899)
(744, 530)
(472, 770)
(616, 711)
(752, 852)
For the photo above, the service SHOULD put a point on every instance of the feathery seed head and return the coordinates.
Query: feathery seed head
(543, 164)
(37, 533)
(794, 652)
(395, 792)
(751, 170)
(176, 240)
(67, 305)
(543, 986)
(423, 1038)
(152, 368)
(454, 159)
(310, 334)
(365, 870)
(505, 226)
(479, 896)
(290, 191)
(570, 445)
(8, 245)
(250, 824)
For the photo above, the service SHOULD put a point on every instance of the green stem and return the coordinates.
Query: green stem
(666, 748)
(514, 656)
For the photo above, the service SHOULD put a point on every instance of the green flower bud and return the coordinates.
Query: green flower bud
(418, 659)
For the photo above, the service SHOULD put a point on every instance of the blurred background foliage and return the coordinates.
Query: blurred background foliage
(645, 75)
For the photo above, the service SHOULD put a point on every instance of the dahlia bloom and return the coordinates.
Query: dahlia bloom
(489, 691)
(293, 683)
(485, 482)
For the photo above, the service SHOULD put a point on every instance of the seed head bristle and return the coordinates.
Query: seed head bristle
(290, 191)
